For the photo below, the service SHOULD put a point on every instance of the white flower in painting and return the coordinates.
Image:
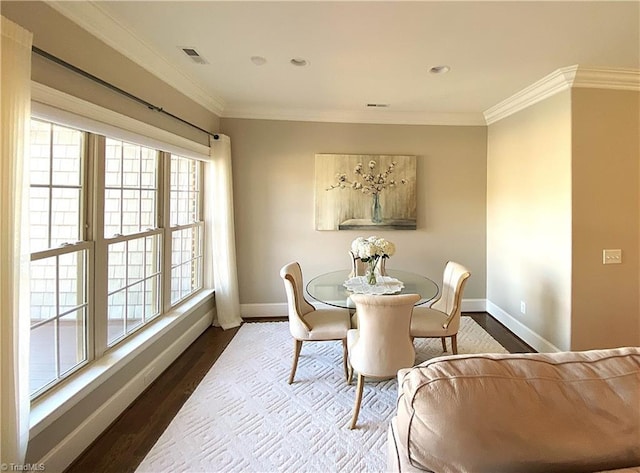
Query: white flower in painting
(371, 182)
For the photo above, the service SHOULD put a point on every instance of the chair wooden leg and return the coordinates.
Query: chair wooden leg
(297, 346)
(350, 375)
(454, 344)
(444, 343)
(345, 356)
(356, 409)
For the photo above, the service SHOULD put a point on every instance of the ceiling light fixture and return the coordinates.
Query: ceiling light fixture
(258, 60)
(299, 62)
(439, 69)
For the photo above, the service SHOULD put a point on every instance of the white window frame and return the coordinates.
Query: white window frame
(198, 223)
(53, 106)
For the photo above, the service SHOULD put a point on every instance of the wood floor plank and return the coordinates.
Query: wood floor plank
(123, 446)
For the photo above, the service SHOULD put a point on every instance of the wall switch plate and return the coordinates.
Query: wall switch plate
(611, 256)
(523, 307)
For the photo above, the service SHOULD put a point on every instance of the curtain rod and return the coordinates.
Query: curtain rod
(110, 86)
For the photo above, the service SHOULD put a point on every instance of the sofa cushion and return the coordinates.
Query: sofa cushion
(571, 411)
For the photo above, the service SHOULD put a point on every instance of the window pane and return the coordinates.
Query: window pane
(152, 259)
(184, 191)
(152, 297)
(42, 356)
(72, 330)
(112, 212)
(186, 257)
(130, 212)
(148, 168)
(71, 274)
(134, 274)
(130, 165)
(117, 269)
(113, 163)
(43, 289)
(130, 188)
(65, 216)
(116, 307)
(40, 152)
(56, 185)
(135, 260)
(39, 219)
(67, 155)
(135, 306)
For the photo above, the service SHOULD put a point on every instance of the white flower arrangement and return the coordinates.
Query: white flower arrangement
(372, 248)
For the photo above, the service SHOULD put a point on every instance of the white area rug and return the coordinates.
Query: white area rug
(244, 417)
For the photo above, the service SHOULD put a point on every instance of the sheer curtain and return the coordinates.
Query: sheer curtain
(222, 271)
(15, 106)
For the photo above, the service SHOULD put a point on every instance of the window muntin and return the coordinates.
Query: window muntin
(56, 192)
(131, 188)
(66, 332)
(59, 257)
(133, 285)
(186, 227)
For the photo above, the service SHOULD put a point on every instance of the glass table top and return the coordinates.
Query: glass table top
(329, 288)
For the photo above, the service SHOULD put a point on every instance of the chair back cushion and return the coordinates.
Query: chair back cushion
(558, 412)
(383, 344)
(453, 281)
(297, 305)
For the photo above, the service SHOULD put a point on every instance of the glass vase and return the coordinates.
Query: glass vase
(371, 272)
(376, 209)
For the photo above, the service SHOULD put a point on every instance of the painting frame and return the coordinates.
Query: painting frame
(346, 186)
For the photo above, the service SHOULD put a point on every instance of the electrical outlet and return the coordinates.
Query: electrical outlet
(523, 307)
(611, 256)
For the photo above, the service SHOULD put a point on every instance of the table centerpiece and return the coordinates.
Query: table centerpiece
(371, 250)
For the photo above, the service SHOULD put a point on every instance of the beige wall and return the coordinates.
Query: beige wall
(273, 169)
(529, 217)
(57, 35)
(606, 214)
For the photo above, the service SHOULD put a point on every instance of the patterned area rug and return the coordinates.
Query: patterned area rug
(244, 417)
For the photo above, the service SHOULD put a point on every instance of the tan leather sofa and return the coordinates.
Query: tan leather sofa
(522, 413)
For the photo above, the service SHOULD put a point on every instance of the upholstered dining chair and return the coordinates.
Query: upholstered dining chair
(442, 318)
(381, 345)
(308, 324)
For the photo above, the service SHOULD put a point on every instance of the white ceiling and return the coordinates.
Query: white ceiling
(363, 52)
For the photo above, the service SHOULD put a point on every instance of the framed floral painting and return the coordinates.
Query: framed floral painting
(365, 192)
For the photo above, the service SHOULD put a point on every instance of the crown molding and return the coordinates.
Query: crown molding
(91, 17)
(564, 79)
(384, 117)
(601, 78)
(557, 81)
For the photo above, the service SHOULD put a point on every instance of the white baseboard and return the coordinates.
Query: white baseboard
(60, 457)
(280, 309)
(468, 305)
(525, 333)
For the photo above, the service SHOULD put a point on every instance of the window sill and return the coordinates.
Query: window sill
(52, 405)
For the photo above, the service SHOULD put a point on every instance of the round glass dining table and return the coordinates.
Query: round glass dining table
(329, 288)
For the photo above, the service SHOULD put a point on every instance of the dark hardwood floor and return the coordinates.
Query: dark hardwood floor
(123, 446)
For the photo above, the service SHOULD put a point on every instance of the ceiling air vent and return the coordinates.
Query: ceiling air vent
(194, 55)
(377, 105)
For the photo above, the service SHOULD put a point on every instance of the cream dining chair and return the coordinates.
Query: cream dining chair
(381, 345)
(308, 324)
(442, 318)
